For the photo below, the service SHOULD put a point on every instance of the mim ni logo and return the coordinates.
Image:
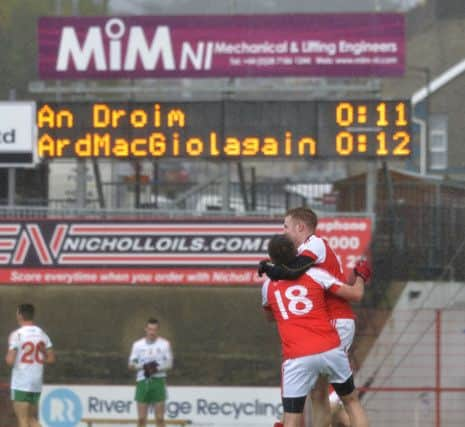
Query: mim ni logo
(116, 47)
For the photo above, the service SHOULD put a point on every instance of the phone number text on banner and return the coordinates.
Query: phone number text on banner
(152, 253)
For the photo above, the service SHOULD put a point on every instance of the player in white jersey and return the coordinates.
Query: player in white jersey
(29, 349)
(151, 357)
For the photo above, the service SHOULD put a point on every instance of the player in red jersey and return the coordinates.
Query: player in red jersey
(300, 225)
(310, 343)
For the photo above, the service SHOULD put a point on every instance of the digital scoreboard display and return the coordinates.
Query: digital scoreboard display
(225, 130)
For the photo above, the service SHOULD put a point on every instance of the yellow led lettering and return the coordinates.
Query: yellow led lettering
(115, 116)
(362, 114)
(46, 146)
(382, 114)
(382, 144)
(344, 143)
(157, 144)
(214, 151)
(176, 118)
(135, 150)
(403, 139)
(358, 129)
(60, 146)
(401, 114)
(250, 146)
(138, 118)
(103, 116)
(157, 116)
(194, 147)
(47, 117)
(83, 146)
(270, 146)
(307, 146)
(101, 142)
(288, 143)
(344, 114)
(121, 148)
(100, 116)
(64, 118)
(175, 144)
(232, 146)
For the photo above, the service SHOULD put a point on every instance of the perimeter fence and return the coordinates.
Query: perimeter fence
(414, 373)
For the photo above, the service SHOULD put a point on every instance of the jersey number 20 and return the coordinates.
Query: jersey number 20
(33, 352)
(297, 301)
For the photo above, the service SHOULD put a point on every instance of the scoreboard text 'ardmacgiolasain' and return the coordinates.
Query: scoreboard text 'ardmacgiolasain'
(225, 130)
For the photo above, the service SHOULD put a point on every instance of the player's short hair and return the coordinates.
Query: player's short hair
(304, 214)
(152, 321)
(281, 249)
(26, 311)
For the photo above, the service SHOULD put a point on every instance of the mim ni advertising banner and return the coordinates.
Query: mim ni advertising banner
(67, 252)
(326, 45)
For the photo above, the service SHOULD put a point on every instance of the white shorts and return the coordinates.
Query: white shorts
(346, 330)
(300, 374)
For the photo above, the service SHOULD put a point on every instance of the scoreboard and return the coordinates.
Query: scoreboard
(346, 129)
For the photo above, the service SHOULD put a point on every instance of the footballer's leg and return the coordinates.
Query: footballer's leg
(33, 416)
(160, 414)
(299, 376)
(349, 397)
(21, 410)
(321, 410)
(293, 411)
(354, 409)
(293, 420)
(142, 410)
(339, 417)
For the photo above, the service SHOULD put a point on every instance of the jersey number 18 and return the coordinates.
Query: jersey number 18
(296, 299)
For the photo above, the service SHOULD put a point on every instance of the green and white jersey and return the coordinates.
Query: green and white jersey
(31, 344)
(144, 351)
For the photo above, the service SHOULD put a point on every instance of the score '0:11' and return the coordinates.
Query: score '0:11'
(347, 114)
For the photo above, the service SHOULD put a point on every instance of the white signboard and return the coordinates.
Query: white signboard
(18, 134)
(67, 405)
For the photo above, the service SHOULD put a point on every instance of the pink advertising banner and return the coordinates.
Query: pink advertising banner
(331, 45)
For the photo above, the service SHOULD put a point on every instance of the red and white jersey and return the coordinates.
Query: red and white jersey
(299, 308)
(31, 344)
(318, 249)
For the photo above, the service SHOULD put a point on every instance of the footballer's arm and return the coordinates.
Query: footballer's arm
(362, 271)
(291, 271)
(352, 293)
(50, 357)
(10, 357)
